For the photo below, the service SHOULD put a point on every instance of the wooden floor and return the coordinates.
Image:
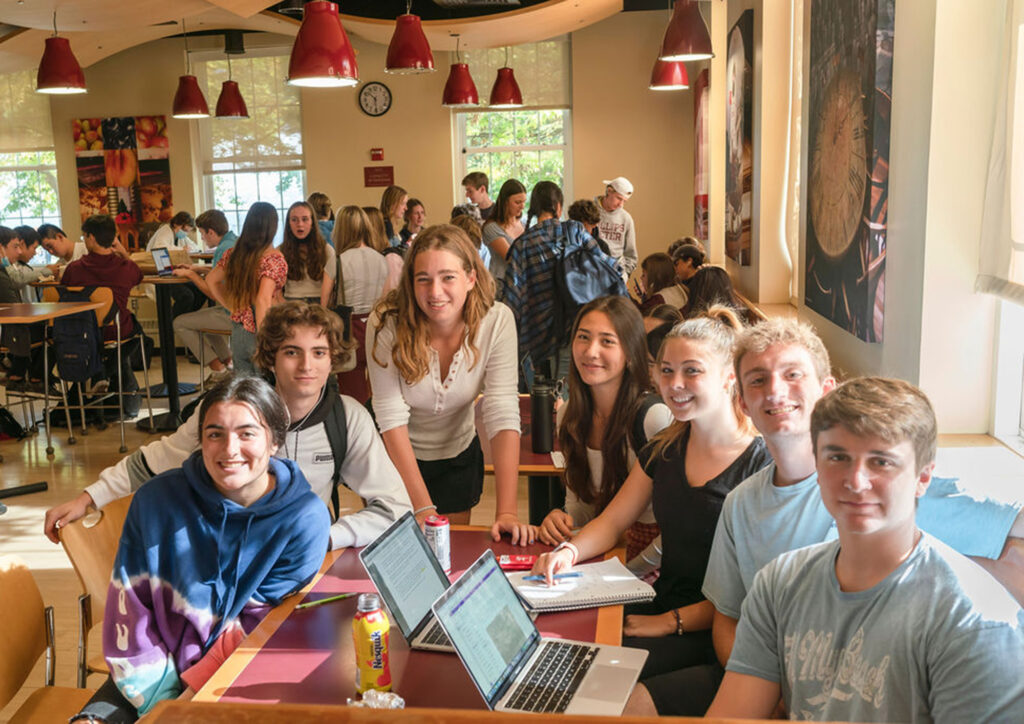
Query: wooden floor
(75, 466)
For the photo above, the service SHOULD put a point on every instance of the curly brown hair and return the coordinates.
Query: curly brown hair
(282, 318)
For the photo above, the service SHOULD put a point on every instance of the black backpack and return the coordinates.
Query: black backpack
(10, 427)
(582, 274)
(76, 339)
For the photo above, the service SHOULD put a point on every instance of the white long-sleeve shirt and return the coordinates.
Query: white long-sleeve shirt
(367, 470)
(439, 413)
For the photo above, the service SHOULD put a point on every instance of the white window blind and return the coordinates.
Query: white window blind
(543, 71)
(24, 114)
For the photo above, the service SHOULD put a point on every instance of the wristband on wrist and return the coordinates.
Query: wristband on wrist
(424, 509)
(572, 549)
(679, 622)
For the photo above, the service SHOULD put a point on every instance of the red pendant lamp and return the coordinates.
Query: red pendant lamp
(230, 104)
(59, 71)
(322, 56)
(409, 51)
(460, 90)
(686, 37)
(189, 101)
(505, 93)
(669, 75)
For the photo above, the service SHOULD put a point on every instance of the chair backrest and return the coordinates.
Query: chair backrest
(91, 544)
(103, 295)
(22, 625)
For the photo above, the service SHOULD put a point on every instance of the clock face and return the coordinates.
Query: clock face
(839, 166)
(375, 99)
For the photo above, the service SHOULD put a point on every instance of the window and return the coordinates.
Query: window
(259, 158)
(530, 146)
(532, 143)
(28, 166)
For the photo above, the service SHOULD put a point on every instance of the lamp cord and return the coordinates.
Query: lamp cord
(188, 60)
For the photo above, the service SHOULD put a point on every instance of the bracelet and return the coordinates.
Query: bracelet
(679, 622)
(424, 509)
(572, 549)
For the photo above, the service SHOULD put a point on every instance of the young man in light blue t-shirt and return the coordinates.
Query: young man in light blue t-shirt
(782, 369)
(887, 623)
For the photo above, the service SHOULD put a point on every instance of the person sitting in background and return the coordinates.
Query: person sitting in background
(331, 437)
(249, 280)
(588, 213)
(209, 548)
(322, 207)
(686, 258)
(887, 623)
(658, 278)
(213, 228)
(392, 206)
(471, 226)
(476, 185)
(415, 215)
(174, 234)
(711, 285)
(360, 285)
(504, 226)
(56, 242)
(311, 260)
(19, 252)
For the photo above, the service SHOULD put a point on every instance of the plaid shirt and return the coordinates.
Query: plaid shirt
(529, 285)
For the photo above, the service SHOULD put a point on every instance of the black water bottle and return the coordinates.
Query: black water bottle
(542, 416)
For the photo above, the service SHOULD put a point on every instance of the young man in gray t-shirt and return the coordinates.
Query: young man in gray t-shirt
(887, 623)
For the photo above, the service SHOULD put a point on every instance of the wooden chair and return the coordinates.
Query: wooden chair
(27, 632)
(91, 545)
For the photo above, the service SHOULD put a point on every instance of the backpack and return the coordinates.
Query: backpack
(76, 339)
(10, 428)
(582, 274)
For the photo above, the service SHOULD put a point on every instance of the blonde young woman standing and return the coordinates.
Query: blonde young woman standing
(361, 284)
(686, 473)
(436, 342)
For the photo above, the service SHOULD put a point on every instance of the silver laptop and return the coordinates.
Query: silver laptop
(409, 578)
(513, 667)
(162, 261)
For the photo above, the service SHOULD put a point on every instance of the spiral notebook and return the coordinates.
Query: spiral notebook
(608, 583)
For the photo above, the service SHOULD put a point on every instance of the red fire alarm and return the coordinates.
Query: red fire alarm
(376, 154)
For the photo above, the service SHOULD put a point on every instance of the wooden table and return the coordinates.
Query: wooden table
(306, 656)
(37, 313)
(544, 486)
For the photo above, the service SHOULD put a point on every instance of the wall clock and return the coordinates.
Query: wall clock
(839, 166)
(375, 99)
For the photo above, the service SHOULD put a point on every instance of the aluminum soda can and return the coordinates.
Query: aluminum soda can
(439, 538)
(370, 629)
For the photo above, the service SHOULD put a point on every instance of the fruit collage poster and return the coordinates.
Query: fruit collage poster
(124, 171)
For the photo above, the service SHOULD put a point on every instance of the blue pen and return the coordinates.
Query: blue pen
(574, 574)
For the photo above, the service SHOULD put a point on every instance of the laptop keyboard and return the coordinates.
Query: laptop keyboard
(436, 636)
(553, 679)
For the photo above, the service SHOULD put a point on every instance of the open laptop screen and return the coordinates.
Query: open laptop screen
(405, 572)
(162, 260)
(487, 625)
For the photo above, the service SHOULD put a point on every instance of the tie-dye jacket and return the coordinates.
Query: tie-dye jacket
(193, 565)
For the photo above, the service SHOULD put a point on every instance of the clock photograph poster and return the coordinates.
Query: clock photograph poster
(848, 165)
(739, 141)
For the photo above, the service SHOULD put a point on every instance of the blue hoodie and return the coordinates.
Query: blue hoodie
(193, 565)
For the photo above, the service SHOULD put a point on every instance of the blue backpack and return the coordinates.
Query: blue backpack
(582, 274)
(76, 339)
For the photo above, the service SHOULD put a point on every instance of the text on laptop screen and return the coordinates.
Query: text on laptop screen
(401, 564)
(162, 260)
(487, 624)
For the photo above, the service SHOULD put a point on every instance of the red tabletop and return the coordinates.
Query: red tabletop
(309, 657)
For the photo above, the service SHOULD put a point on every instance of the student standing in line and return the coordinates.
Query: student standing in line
(504, 225)
(392, 205)
(311, 265)
(436, 342)
(415, 218)
(249, 280)
(476, 184)
(322, 206)
(611, 413)
(686, 474)
(363, 273)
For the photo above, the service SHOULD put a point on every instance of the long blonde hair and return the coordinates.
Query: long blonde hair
(411, 349)
(716, 329)
(352, 228)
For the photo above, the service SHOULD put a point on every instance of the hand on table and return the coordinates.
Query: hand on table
(555, 528)
(548, 564)
(68, 512)
(664, 624)
(522, 533)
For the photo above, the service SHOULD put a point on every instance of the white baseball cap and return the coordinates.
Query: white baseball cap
(622, 185)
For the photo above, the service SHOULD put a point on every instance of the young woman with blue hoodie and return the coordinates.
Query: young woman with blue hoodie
(207, 549)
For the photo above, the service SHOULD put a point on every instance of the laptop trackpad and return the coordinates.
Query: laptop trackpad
(607, 683)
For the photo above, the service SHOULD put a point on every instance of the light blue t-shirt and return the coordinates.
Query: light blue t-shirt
(226, 242)
(760, 521)
(937, 640)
